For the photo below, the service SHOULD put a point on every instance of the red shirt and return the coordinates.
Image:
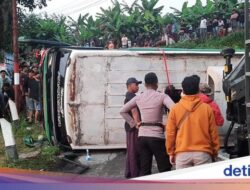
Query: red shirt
(217, 113)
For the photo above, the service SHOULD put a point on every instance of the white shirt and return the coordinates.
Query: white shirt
(221, 23)
(2, 81)
(124, 41)
(203, 23)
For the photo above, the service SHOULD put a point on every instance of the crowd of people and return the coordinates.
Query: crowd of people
(190, 135)
(6, 91)
(30, 83)
(221, 26)
(30, 94)
(215, 26)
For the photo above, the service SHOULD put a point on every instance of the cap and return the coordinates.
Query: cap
(206, 89)
(133, 80)
(3, 71)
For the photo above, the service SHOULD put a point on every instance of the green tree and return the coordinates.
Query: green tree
(149, 6)
(5, 24)
(132, 25)
(32, 4)
(111, 22)
(192, 15)
(225, 6)
(45, 27)
(28, 24)
(6, 19)
(84, 29)
(142, 18)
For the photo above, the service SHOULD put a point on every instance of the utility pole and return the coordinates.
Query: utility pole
(15, 54)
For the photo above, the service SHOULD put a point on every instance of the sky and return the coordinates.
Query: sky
(75, 7)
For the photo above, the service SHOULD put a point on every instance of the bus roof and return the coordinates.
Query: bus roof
(182, 51)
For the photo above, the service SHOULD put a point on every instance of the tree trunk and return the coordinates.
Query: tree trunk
(5, 25)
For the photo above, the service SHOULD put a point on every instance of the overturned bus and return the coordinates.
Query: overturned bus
(84, 90)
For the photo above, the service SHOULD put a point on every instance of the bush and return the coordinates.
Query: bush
(234, 40)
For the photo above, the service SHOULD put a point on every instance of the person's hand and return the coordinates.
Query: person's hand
(138, 125)
(36, 78)
(172, 159)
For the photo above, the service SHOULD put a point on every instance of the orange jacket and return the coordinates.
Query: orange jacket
(198, 132)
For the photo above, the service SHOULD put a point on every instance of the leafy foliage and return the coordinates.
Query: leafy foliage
(141, 20)
(45, 160)
(6, 19)
(234, 40)
(31, 4)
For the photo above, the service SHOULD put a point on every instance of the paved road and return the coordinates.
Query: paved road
(105, 164)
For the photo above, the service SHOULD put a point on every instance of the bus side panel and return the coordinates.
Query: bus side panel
(96, 90)
(84, 102)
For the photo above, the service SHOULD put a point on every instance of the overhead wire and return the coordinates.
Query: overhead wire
(84, 7)
(67, 6)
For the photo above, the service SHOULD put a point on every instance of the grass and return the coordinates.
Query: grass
(45, 159)
(234, 40)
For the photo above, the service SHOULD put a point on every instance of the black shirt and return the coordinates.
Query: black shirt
(10, 93)
(1, 105)
(215, 23)
(209, 28)
(226, 24)
(33, 86)
(241, 18)
(25, 83)
(129, 96)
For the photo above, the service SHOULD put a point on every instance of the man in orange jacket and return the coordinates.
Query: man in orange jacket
(192, 137)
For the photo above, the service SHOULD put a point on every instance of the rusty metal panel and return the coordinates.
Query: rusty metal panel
(118, 90)
(120, 77)
(95, 89)
(115, 101)
(85, 106)
(116, 132)
(113, 112)
(153, 63)
(92, 125)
